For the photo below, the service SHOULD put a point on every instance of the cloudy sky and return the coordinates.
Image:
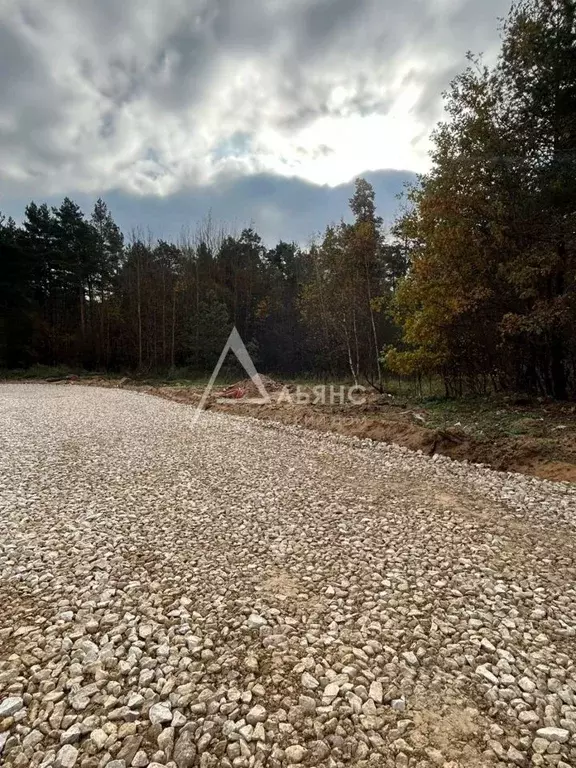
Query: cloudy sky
(261, 111)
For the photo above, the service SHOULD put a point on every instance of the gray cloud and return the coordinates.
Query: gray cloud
(150, 97)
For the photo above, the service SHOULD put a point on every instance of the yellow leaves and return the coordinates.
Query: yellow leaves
(377, 303)
(263, 308)
(413, 362)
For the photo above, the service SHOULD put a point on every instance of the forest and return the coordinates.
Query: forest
(474, 284)
(75, 291)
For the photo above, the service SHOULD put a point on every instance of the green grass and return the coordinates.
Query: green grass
(180, 377)
(41, 372)
(494, 416)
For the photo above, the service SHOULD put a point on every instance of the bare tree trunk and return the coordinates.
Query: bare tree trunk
(373, 324)
(197, 329)
(172, 351)
(82, 313)
(322, 303)
(349, 351)
(139, 312)
(91, 322)
(103, 351)
(163, 316)
(357, 347)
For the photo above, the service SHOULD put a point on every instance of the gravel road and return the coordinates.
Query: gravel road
(242, 594)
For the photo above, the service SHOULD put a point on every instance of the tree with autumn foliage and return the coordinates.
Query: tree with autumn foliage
(352, 274)
(490, 298)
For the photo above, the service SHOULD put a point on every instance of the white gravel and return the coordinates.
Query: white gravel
(243, 594)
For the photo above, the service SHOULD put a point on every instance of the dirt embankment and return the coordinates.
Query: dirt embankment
(547, 453)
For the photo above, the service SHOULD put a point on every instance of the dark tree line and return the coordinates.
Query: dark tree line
(74, 291)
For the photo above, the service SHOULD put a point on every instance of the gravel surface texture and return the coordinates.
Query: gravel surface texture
(243, 594)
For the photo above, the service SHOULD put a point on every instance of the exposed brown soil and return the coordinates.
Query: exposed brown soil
(550, 455)
(247, 388)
